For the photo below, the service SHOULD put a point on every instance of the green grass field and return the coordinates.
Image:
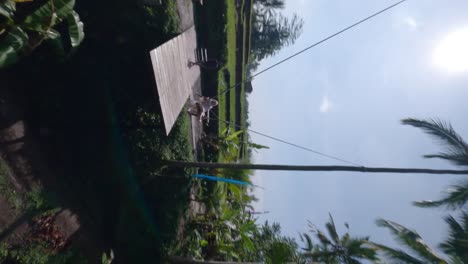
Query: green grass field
(228, 69)
(232, 106)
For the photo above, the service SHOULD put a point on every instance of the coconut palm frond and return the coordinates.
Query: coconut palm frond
(309, 246)
(360, 248)
(323, 238)
(334, 249)
(456, 260)
(445, 133)
(457, 197)
(456, 244)
(397, 255)
(412, 240)
(457, 158)
(331, 228)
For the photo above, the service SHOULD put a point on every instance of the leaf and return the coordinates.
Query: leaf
(53, 34)
(458, 149)
(247, 243)
(456, 245)
(203, 243)
(12, 45)
(75, 29)
(234, 255)
(308, 240)
(457, 197)
(234, 135)
(257, 146)
(323, 238)
(397, 254)
(224, 131)
(332, 230)
(48, 14)
(104, 258)
(412, 240)
(7, 8)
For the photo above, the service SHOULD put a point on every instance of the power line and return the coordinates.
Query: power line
(289, 143)
(313, 45)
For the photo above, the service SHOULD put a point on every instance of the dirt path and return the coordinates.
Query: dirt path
(185, 10)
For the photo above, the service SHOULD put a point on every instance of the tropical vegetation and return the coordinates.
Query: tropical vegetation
(119, 144)
(25, 25)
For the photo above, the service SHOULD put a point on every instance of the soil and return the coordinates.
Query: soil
(185, 11)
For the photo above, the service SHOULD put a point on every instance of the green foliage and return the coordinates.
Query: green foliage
(272, 247)
(230, 143)
(8, 191)
(35, 200)
(456, 245)
(48, 15)
(457, 149)
(12, 45)
(38, 254)
(149, 144)
(455, 198)
(225, 231)
(107, 259)
(457, 153)
(412, 240)
(336, 249)
(24, 33)
(7, 9)
(39, 201)
(75, 28)
(271, 30)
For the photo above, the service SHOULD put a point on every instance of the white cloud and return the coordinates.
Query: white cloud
(410, 22)
(326, 105)
(406, 22)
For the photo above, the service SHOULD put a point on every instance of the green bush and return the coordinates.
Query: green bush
(38, 254)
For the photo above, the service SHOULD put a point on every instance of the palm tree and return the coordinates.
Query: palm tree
(333, 249)
(411, 240)
(456, 245)
(457, 153)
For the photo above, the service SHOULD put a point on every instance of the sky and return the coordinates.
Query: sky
(346, 98)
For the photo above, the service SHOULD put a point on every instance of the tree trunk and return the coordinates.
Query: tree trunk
(236, 166)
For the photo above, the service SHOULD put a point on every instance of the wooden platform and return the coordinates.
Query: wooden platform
(174, 79)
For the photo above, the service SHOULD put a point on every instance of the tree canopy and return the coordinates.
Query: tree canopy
(271, 30)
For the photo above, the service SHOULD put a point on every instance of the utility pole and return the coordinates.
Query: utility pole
(239, 166)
